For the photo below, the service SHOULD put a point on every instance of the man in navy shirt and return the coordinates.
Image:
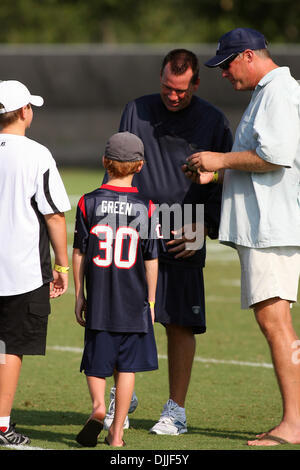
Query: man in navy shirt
(172, 124)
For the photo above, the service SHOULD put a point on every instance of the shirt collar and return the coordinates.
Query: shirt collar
(120, 189)
(271, 75)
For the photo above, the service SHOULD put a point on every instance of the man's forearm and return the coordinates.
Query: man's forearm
(247, 160)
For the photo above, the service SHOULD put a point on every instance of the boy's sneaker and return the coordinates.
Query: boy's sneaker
(11, 437)
(134, 403)
(111, 409)
(172, 420)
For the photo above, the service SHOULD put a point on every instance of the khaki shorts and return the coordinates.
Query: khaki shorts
(267, 273)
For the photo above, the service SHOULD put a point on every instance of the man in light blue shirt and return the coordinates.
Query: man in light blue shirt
(271, 127)
(261, 205)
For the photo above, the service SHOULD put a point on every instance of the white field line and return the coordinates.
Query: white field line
(220, 298)
(197, 358)
(24, 447)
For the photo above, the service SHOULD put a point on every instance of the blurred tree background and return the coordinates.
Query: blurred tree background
(144, 21)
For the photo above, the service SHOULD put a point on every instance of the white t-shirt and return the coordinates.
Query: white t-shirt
(30, 187)
(261, 210)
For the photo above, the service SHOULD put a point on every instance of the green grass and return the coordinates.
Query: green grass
(227, 402)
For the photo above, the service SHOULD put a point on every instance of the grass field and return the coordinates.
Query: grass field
(233, 392)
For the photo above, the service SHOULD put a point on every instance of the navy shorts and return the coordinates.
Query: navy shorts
(180, 297)
(24, 321)
(105, 352)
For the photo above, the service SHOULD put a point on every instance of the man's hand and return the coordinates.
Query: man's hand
(187, 240)
(197, 176)
(206, 161)
(178, 246)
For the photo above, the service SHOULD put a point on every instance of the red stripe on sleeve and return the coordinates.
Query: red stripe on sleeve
(81, 206)
(152, 208)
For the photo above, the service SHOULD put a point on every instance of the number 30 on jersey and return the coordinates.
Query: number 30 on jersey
(112, 247)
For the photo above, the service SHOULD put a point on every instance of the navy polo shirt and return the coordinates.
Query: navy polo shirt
(169, 138)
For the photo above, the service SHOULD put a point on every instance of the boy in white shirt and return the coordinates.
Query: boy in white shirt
(32, 204)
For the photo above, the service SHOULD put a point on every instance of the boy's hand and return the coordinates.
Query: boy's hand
(59, 284)
(80, 310)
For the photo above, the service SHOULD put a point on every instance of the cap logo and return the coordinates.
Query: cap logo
(218, 46)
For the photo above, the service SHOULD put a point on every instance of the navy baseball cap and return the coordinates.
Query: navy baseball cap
(124, 147)
(235, 41)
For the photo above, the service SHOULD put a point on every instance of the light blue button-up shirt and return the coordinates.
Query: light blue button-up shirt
(263, 209)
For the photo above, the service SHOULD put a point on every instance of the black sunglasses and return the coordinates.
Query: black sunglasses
(225, 65)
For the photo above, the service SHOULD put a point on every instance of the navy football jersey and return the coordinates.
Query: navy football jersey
(116, 230)
(169, 138)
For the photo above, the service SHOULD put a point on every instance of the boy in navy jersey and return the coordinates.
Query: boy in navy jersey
(115, 255)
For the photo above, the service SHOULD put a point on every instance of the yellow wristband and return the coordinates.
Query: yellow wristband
(61, 269)
(151, 304)
(215, 177)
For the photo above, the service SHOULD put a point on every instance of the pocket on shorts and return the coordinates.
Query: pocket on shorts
(5, 317)
(37, 318)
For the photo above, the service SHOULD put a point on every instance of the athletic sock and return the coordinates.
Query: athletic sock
(4, 423)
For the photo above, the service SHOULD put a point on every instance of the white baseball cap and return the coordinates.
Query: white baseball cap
(14, 95)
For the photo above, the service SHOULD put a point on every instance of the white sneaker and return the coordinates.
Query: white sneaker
(109, 419)
(111, 409)
(172, 420)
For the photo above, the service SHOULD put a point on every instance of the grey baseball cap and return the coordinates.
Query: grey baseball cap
(124, 147)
